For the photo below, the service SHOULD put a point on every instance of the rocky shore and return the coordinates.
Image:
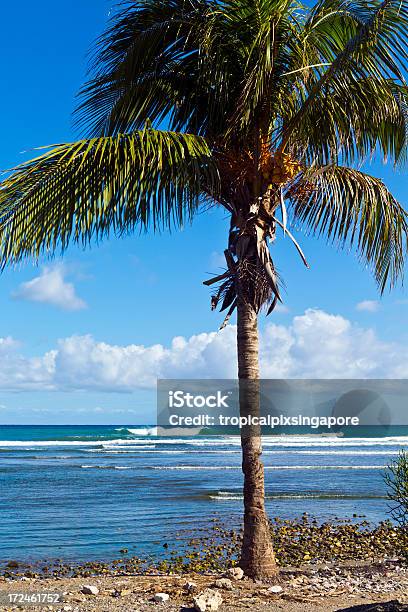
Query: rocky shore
(330, 566)
(350, 586)
(214, 551)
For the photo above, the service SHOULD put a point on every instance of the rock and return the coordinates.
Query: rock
(275, 589)
(67, 608)
(161, 597)
(190, 587)
(89, 589)
(207, 601)
(223, 583)
(236, 573)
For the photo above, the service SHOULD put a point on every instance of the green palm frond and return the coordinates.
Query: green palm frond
(266, 55)
(88, 189)
(160, 60)
(378, 50)
(274, 85)
(369, 116)
(222, 68)
(356, 209)
(133, 68)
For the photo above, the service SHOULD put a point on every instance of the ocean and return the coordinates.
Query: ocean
(81, 493)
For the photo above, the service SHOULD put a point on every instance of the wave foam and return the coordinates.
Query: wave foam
(267, 467)
(285, 442)
(144, 431)
(105, 467)
(231, 496)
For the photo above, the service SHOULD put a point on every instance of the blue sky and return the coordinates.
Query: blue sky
(84, 338)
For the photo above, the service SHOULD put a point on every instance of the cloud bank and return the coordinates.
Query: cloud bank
(315, 344)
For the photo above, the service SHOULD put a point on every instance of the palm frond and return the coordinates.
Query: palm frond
(266, 56)
(161, 60)
(251, 77)
(90, 188)
(367, 117)
(355, 209)
(378, 50)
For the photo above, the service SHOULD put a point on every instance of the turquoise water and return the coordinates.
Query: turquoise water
(81, 493)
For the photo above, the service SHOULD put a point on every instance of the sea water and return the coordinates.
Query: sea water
(80, 493)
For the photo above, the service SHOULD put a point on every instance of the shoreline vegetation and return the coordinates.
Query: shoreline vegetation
(323, 565)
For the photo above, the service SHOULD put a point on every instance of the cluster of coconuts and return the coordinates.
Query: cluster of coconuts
(279, 168)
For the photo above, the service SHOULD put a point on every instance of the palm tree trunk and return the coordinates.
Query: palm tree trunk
(257, 556)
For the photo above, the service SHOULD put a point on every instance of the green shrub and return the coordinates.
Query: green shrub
(396, 480)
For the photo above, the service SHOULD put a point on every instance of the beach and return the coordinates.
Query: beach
(309, 589)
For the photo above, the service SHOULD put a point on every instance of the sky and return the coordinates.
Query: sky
(84, 338)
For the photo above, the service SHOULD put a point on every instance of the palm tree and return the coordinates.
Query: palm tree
(264, 107)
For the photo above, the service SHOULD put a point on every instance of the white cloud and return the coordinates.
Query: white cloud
(51, 288)
(81, 362)
(19, 373)
(368, 306)
(281, 308)
(315, 344)
(322, 345)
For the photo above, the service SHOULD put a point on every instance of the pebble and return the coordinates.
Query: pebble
(275, 589)
(207, 601)
(236, 573)
(88, 589)
(223, 583)
(161, 597)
